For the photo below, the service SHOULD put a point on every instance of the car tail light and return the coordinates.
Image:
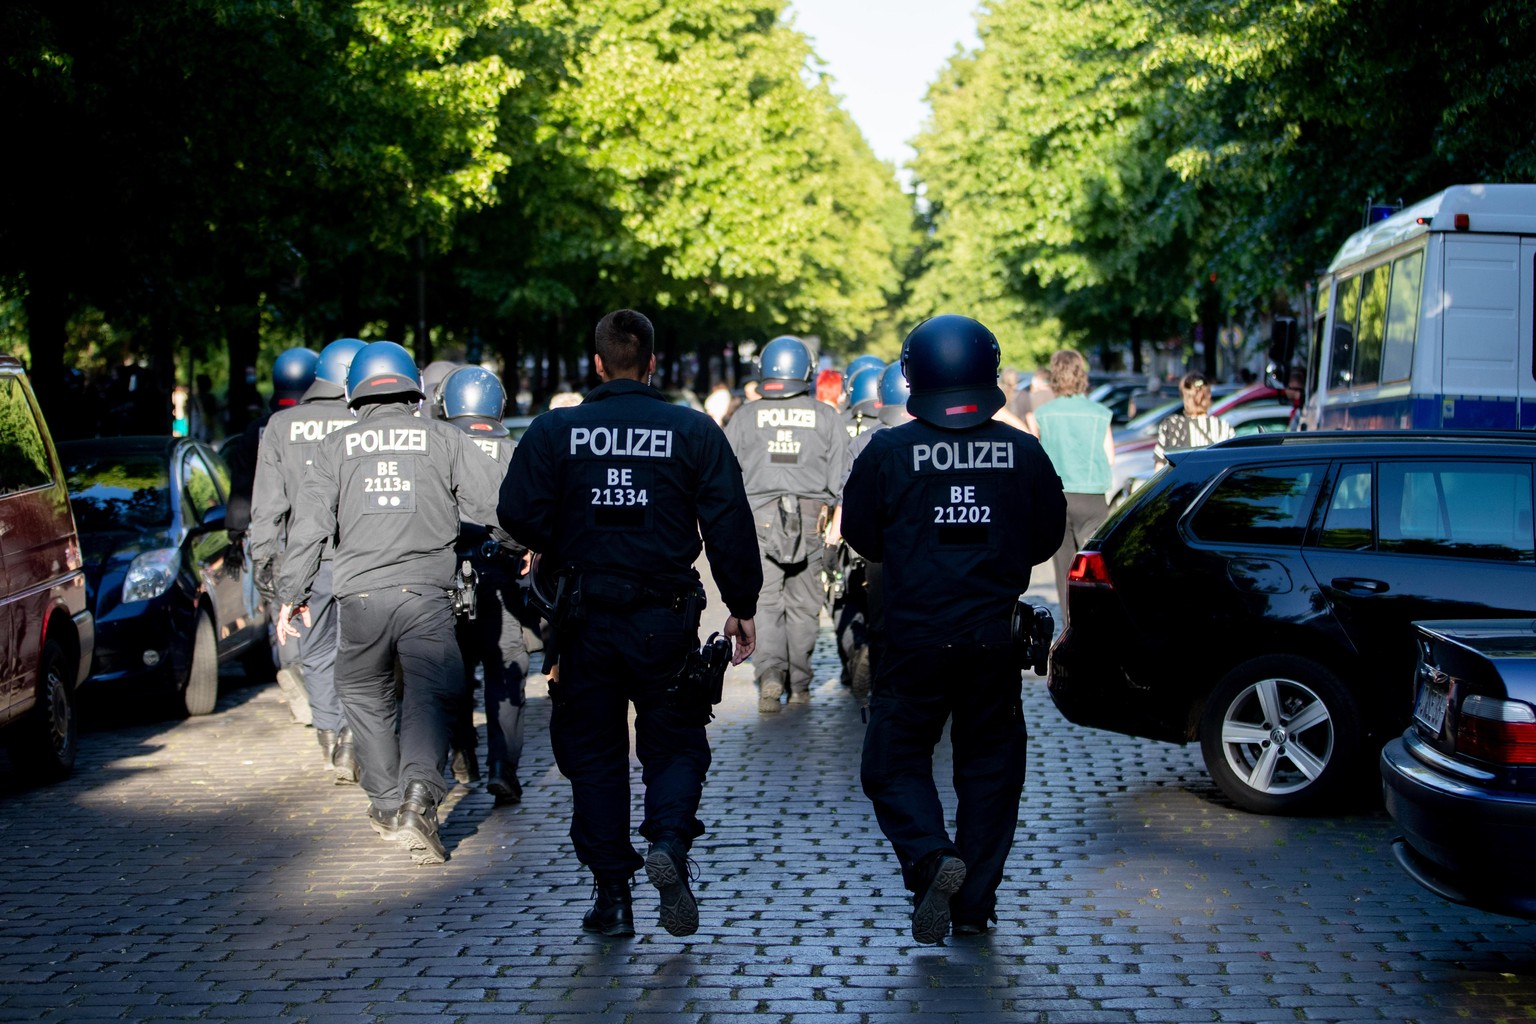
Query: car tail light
(1089, 570)
(1497, 731)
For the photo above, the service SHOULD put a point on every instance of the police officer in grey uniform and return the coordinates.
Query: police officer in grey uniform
(792, 450)
(287, 448)
(392, 489)
(617, 494)
(473, 399)
(959, 508)
(293, 371)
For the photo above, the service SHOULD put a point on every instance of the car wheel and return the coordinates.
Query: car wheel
(1281, 735)
(201, 691)
(46, 743)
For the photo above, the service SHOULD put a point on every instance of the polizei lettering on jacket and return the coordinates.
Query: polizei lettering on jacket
(387, 439)
(947, 455)
(638, 442)
(314, 430)
(786, 418)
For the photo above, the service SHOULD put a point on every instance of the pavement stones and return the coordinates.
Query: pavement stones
(208, 870)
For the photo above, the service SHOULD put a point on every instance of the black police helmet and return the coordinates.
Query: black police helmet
(292, 373)
(864, 389)
(785, 367)
(862, 362)
(951, 363)
(335, 358)
(473, 399)
(894, 391)
(382, 368)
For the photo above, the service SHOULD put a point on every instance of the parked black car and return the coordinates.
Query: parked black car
(1257, 596)
(1461, 780)
(163, 575)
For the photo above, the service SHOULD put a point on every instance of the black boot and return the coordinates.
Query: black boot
(503, 785)
(666, 865)
(418, 825)
(466, 766)
(612, 914)
(344, 758)
(945, 875)
(327, 740)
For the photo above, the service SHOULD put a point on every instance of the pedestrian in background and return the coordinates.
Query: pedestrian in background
(957, 507)
(1075, 433)
(1195, 427)
(619, 495)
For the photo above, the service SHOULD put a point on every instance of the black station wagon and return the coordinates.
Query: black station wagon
(1258, 595)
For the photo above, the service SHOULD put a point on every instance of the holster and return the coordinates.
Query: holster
(701, 680)
(1033, 628)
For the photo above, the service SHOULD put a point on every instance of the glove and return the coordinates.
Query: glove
(265, 578)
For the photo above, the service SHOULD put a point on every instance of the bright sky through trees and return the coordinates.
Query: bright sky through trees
(883, 59)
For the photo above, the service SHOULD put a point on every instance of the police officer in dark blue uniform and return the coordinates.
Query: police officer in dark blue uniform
(959, 508)
(792, 452)
(473, 399)
(287, 448)
(392, 489)
(615, 494)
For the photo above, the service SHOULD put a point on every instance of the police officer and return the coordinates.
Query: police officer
(959, 508)
(392, 489)
(856, 366)
(616, 494)
(845, 568)
(861, 581)
(287, 448)
(473, 399)
(792, 452)
(293, 371)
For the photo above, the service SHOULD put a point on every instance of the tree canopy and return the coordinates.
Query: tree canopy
(210, 181)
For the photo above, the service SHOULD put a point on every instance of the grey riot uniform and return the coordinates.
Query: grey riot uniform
(792, 453)
(392, 489)
(288, 446)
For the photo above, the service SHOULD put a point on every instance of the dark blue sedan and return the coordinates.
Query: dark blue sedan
(1461, 781)
(163, 575)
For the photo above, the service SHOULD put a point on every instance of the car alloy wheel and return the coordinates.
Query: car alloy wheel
(1279, 734)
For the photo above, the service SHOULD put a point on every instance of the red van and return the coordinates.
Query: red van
(46, 631)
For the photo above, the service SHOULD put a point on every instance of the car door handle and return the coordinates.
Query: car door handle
(1359, 585)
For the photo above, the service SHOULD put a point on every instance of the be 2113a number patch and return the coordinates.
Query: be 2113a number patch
(389, 487)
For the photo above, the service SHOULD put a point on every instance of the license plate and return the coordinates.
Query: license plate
(1429, 708)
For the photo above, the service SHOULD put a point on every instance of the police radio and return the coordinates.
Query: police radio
(1033, 629)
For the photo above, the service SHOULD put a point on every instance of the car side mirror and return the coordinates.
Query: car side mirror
(1282, 345)
(213, 519)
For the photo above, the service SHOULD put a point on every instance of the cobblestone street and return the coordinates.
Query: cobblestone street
(208, 870)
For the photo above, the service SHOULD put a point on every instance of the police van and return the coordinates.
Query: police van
(1424, 319)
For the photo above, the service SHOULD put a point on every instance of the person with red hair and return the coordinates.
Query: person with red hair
(829, 387)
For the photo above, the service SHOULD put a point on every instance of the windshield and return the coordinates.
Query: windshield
(118, 492)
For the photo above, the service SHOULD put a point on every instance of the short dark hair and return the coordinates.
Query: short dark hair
(626, 341)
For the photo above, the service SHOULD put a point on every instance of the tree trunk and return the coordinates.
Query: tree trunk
(242, 339)
(47, 330)
(1137, 365)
